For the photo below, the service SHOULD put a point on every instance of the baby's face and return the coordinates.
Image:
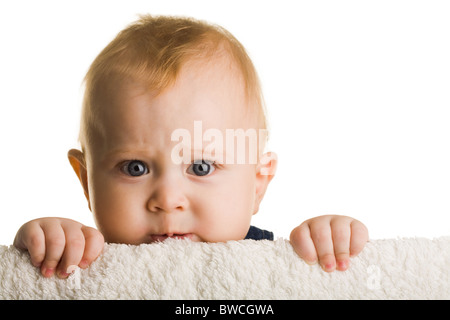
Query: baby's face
(139, 194)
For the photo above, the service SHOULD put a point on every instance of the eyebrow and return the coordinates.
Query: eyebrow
(194, 152)
(117, 152)
(202, 151)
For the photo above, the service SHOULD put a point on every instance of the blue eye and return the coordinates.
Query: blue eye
(135, 168)
(201, 168)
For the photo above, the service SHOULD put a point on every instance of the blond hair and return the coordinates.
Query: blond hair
(153, 49)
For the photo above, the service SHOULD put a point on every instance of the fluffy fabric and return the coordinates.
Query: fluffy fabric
(411, 268)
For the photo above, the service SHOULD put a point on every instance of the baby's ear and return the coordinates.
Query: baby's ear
(265, 171)
(267, 164)
(78, 163)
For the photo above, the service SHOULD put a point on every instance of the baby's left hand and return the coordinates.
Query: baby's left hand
(329, 239)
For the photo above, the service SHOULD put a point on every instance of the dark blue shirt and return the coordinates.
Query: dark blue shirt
(258, 234)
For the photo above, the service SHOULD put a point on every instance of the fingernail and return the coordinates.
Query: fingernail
(343, 265)
(83, 264)
(68, 271)
(311, 262)
(63, 274)
(48, 272)
(329, 266)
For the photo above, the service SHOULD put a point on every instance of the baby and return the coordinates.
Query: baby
(161, 82)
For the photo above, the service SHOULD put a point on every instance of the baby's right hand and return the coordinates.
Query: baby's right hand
(55, 244)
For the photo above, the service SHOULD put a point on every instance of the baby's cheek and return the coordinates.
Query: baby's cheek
(223, 224)
(118, 219)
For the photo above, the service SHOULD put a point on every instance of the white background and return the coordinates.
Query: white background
(358, 94)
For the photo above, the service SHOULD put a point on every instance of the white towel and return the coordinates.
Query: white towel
(413, 268)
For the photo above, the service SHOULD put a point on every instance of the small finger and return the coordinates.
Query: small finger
(94, 243)
(341, 242)
(302, 243)
(54, 247)
(359, 237)
(73, 251)
(321, 236)
(32, 238)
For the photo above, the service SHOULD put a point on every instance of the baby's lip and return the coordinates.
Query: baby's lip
(164, 236)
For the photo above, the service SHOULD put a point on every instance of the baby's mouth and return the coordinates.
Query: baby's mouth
(162, 237)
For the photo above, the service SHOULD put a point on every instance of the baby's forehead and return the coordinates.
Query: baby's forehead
(198, 102)
(200, 86)
(134, 118)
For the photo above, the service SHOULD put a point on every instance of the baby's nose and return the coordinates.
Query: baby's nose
(167, 197)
